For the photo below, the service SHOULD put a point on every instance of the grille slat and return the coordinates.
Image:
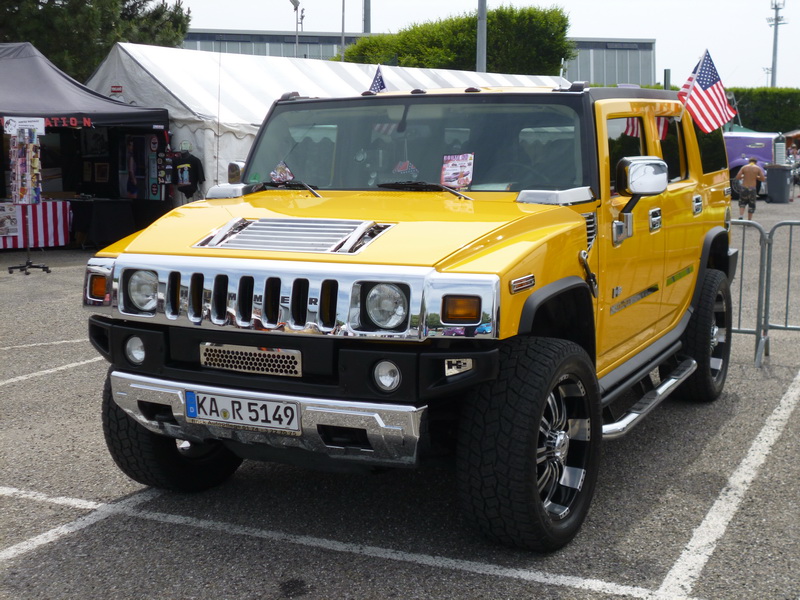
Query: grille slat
(301, 235)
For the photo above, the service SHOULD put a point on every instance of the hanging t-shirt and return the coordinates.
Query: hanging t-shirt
(187, 173)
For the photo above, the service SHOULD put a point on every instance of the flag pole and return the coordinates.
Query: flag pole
(691, 86)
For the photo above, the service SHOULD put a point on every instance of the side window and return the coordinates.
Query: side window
(625, 138)
(712, 150)
(672, 148)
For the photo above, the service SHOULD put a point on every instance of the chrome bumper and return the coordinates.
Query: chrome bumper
(392, 431)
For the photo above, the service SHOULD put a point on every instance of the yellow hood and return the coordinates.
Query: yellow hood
(427, 228)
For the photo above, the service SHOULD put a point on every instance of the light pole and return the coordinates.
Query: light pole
(296, 4)
(775, 21)
(480, 60)
(342, 30)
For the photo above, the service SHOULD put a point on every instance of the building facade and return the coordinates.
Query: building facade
(599, 61)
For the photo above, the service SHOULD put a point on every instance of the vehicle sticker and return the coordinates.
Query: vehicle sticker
(457, 170)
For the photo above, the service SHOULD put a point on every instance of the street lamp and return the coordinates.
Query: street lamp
(297, 18)
(775, 21)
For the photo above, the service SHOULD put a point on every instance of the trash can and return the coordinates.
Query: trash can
(779, 183)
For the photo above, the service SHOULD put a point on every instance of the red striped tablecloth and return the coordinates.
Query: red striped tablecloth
(48, 225)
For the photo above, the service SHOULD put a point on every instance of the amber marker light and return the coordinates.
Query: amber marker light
(97, 287)
(461, 310)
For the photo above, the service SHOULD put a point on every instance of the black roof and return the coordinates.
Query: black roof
(34, 87)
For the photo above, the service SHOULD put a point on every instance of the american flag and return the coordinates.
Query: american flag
(378, 84)
(633, 127)
(704, 96)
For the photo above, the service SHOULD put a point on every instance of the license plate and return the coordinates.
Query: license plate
(241, 413)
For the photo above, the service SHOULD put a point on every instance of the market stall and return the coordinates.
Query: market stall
(92, 153)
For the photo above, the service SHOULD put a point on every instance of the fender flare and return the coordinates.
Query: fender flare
(585, 334)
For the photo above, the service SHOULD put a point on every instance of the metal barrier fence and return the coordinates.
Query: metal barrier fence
(764, 295)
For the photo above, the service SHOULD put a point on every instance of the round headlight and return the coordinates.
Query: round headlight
(134, 350)
(143, 290)
(387, 305)
(387, 376)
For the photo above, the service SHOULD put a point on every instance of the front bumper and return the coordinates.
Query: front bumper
(355, 432)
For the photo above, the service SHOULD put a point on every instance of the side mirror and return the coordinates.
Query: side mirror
(235, 170)
(641, 176)
(637, 176)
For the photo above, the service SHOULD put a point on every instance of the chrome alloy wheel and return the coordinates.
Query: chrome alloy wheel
(562, 451)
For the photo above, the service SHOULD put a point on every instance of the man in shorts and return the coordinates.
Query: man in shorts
(749, 175)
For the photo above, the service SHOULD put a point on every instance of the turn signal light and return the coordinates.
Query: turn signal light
(461, 310)
(97, 287)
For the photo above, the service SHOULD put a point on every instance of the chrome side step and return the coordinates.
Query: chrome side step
(649, 401)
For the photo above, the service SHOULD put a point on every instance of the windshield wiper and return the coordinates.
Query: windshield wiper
(422, 186)
(293, 184)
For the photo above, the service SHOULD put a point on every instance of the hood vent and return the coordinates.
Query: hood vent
(295, 235)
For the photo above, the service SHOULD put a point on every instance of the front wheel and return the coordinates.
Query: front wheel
(159, 461)
(529, 445)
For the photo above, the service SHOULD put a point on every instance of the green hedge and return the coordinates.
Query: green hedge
(768, 109)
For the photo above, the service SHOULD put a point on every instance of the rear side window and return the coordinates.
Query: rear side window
(672, 148)
(712, 150)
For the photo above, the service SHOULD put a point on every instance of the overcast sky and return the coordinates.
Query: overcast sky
(735, 32)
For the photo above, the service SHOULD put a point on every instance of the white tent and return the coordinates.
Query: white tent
(217, 101)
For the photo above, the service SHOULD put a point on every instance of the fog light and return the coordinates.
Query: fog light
(134, 350)
(387, 376)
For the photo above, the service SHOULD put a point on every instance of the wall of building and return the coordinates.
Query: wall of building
(599, 61)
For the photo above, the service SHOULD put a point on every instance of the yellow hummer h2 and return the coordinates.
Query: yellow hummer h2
(502, 277)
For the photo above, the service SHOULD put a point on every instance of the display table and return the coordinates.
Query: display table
(48, 225)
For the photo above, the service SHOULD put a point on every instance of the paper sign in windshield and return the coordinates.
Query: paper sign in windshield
(457, 170)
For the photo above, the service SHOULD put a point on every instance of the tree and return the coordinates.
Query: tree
(530, 41)
(76, 35)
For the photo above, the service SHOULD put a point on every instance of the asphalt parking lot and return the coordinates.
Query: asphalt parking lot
(700, 501)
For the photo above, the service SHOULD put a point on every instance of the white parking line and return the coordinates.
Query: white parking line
(128, 508)
(44, 344)
(677, 584)
(48, 371)
(684, 573)
(102, 512)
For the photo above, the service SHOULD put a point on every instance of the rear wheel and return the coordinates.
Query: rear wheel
(161, 461)
(529, 445)
(708, 340)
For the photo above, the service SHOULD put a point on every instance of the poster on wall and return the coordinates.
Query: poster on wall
(26, 167)
(8, 219)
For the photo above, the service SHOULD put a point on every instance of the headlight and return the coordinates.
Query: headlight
(387, 305)
(143, 290)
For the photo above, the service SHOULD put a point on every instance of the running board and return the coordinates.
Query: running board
(649, 401)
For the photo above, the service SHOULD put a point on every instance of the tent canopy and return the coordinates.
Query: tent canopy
(217, 101)
(34, 87)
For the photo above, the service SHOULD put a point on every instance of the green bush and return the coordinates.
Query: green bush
(768, 109)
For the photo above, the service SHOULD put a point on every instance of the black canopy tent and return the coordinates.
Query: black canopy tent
(87, 138)
(35, 87)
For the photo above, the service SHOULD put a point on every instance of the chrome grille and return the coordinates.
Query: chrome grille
(273, 296)
(266, 302)
(248, 359)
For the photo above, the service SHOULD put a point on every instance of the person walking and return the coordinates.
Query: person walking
(749, 175)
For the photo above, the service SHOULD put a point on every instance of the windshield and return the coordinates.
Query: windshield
(487, 142)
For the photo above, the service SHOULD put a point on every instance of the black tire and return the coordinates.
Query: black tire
(708, 340)
(159, 461)
(520, 434)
